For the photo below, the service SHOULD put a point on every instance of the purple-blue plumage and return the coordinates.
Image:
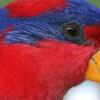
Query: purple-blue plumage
(49, 24)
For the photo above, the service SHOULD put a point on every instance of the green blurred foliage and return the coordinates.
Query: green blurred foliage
(4, 2)
(96, 2)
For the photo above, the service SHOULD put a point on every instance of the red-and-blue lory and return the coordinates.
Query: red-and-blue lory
(46, 47)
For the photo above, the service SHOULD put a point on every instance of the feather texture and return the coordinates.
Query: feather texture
(43, 71)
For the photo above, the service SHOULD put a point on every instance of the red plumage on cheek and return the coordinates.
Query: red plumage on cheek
(93, 33)
(45, 70)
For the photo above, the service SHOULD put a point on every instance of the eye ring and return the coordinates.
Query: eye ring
(76, 38)
(72, 30)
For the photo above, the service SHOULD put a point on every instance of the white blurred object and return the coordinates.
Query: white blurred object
(87, 90)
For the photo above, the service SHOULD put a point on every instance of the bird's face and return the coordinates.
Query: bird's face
(65, 20)
(35, 66)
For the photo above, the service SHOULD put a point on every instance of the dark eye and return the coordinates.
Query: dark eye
(72, 30)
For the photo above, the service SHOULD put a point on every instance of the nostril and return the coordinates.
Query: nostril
(96, 64)
(93, 60)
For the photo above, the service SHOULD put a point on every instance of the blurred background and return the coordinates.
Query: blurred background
(4, 2)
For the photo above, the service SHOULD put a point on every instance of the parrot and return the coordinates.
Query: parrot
(47, 47)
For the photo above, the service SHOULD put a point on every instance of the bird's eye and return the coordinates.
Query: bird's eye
(72, 30)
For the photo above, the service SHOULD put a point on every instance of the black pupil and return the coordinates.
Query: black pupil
(71, 31)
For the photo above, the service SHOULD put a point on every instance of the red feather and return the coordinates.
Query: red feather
(29, 8)
(44, 71)
(93, 33)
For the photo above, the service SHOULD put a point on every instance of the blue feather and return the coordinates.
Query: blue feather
(49, 24)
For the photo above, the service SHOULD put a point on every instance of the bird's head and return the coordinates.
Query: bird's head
(75, 21)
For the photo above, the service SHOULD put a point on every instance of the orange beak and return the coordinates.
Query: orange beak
(93, 71)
